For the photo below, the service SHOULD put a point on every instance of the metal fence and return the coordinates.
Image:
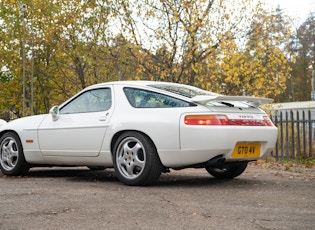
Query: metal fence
(296, 134)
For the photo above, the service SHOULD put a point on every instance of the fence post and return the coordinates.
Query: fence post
(310, 129)
(292, 134)
(277, 144)
(298, 133)
(287, 134)
(281, 134)
(304, 133)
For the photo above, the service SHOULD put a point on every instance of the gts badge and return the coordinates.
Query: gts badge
(246, 116)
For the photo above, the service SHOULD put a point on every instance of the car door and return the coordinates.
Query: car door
(80, 127)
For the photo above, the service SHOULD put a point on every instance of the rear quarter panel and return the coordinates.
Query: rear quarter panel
(160, 124)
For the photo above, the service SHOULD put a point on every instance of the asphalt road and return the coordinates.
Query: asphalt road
(76, 198)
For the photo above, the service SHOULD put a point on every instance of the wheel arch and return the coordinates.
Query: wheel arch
(118, 134)
(10, 131)
(16, 133)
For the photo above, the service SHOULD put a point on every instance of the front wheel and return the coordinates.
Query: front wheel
(228, 171)
(12, 160)
(135, 158)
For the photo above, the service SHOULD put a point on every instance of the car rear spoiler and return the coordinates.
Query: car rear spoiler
(254, 101)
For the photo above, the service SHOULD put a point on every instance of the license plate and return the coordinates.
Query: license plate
(246, 150)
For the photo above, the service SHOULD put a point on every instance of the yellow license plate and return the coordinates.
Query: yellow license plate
(246, 150)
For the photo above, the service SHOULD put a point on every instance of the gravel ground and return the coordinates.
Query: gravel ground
(77, 198)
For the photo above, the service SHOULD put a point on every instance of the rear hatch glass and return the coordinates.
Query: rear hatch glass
(190, 92)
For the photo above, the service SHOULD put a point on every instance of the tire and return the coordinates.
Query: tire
(136, 161)
(228, 171)
(12, 160)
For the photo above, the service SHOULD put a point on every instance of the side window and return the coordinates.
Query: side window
(139, 98)
(90, 101)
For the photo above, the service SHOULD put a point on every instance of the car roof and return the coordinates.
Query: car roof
(140, 83)
(133, 83)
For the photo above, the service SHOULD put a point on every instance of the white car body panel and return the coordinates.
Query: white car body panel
(86, 138)
(26, 128)
(76, 134)
(2, 122)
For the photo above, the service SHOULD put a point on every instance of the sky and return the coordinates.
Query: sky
(299, 9)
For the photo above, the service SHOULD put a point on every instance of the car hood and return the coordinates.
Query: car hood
(31, 122)
(2, 122)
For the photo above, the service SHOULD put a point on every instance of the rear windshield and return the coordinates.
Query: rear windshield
(189, 92)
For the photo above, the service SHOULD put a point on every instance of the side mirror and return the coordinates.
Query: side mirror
(54, 111)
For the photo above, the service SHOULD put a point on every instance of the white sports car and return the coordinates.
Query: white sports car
(142, 128)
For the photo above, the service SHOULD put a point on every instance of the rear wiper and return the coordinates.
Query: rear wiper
(226, 103)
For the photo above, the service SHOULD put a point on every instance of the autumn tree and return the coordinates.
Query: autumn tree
(72, 41)
(261, 67)
(302, 46)
(68, 46)
(186, 31)
(11, 89)
(212, 44)
(220, 45)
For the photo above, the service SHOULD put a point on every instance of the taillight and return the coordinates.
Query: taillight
(215, 119)
(206, 120)
(268, 122)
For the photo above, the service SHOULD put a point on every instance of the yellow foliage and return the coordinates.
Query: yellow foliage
(194, 42)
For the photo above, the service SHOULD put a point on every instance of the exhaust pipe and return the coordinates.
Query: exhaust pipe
(216, 162)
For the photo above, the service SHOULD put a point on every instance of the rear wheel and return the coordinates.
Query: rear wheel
(12, 160)
(136, 161)
(227, 172)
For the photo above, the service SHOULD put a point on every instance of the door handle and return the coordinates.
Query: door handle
(103, 118)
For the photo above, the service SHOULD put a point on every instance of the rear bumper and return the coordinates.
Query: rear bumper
(201, 146)
(182, 158)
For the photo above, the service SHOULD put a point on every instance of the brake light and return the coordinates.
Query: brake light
(206, 120)
(268, 121)
(214, 119)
